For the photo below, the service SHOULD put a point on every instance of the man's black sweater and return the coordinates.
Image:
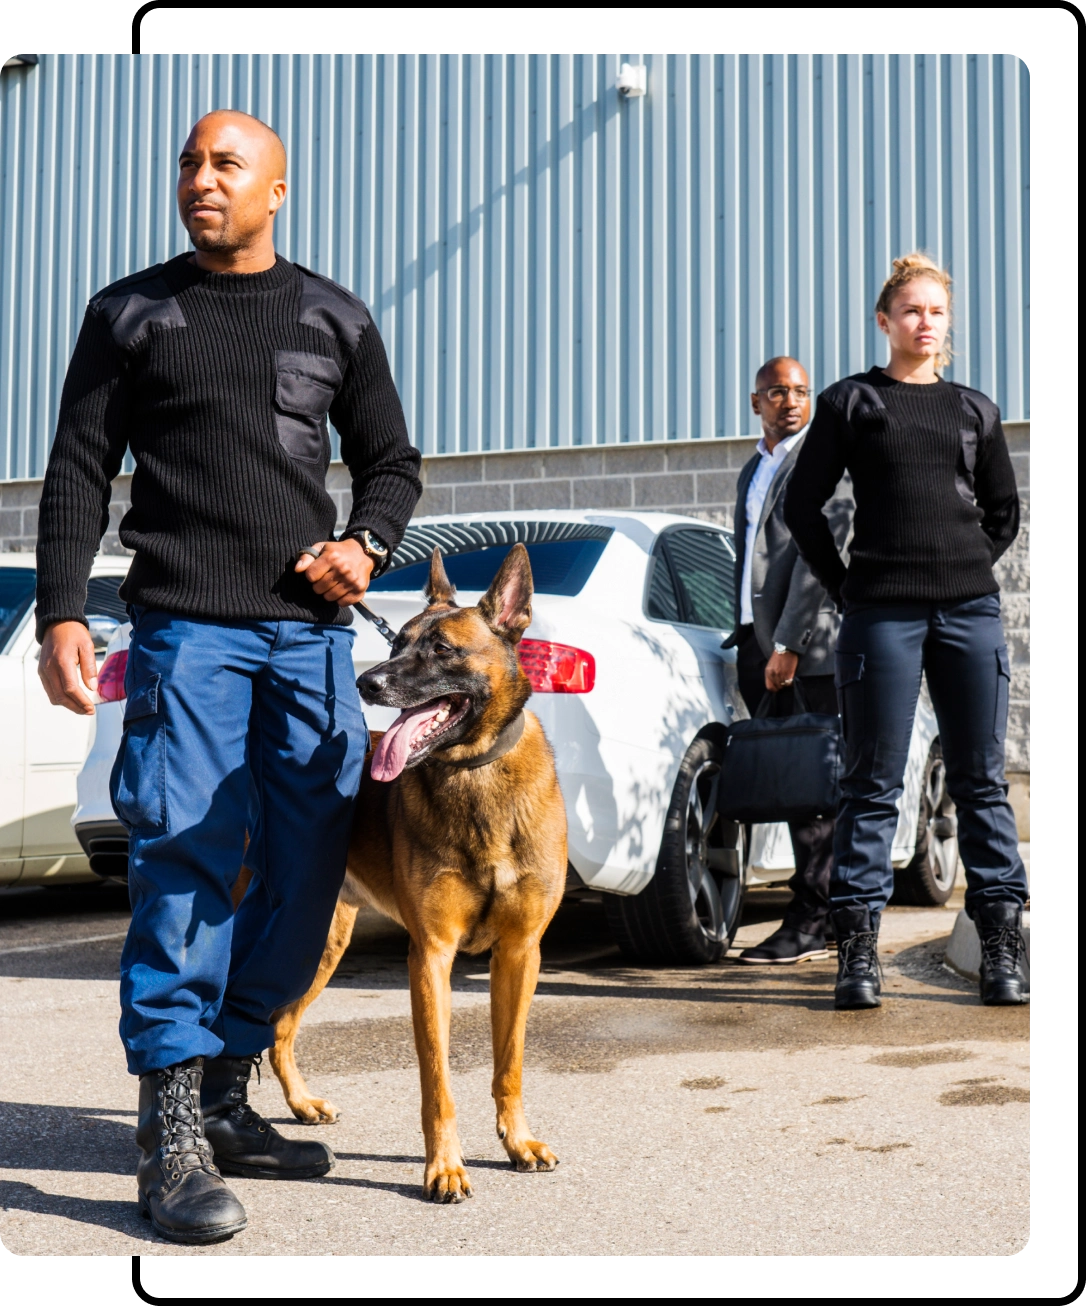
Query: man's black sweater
(221, 385)
(936, 501)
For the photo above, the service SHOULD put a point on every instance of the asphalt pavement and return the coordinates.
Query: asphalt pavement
(724, 1110)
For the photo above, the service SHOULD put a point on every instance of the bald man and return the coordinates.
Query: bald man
(219, 370)
(787, 631)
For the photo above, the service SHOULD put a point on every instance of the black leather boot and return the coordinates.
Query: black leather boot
(245, 1144)
(1004, 974)
(180, 1190)
(858, 982)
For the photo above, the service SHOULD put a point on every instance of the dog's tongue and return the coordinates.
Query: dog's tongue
(391, 754)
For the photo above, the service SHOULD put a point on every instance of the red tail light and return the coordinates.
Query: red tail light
(111, 677)
(557, 668)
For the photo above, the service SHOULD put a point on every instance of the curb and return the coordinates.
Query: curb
(963, 950)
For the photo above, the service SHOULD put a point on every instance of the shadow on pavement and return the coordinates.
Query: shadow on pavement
(473, 1163)
(121, 1217)
(63, 931)
(411, 1191)
(71, 1138)
(41, 902)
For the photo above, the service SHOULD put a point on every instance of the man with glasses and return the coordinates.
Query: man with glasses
(787, 629)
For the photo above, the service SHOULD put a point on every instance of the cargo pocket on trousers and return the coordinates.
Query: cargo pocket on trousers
(305, 386)
(1003, 695)
(848, 676)
(138, 782)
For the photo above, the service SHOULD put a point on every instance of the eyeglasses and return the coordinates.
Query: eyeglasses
(779, 393)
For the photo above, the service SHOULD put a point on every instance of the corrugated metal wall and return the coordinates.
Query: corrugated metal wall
(548, 262)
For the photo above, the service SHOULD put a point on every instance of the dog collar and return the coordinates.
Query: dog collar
(506, 741)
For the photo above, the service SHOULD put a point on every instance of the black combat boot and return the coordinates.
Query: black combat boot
(245, 1144)
(180, 1190)
(1004, 973)
(858, 983)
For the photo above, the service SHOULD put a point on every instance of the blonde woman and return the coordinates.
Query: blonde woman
(936, 505)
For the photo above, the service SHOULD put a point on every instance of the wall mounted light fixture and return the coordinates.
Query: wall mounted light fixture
(633, 80)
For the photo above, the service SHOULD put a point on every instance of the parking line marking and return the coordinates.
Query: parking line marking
(66, 943)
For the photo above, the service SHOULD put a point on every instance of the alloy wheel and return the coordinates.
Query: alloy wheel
(942, 824)
(715, 854)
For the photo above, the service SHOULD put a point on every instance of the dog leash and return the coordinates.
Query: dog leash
(382, 625)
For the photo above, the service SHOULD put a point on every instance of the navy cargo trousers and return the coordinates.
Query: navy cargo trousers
(882, 651)
(229, 728)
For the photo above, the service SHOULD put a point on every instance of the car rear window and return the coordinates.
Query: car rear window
(562, 554)
(16, 596)
(103, 599)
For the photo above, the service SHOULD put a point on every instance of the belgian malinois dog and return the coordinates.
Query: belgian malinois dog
(460, 835)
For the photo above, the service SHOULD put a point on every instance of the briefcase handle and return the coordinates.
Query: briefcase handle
(770, 699)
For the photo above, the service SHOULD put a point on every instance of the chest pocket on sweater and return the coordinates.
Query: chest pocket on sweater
(305, 385)
(967, 463)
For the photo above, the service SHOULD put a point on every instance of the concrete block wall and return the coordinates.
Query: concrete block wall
(1012, 573)
(695, 477)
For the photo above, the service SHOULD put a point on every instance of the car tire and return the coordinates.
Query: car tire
(928, 880)
(689, 911)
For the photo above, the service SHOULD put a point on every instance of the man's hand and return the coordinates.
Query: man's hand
(342, 572)
(780, 670)
(67, 667)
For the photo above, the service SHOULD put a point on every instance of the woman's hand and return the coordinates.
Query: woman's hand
(341, 573)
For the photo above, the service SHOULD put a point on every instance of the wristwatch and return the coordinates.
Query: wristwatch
(377, 549)
(780, 648)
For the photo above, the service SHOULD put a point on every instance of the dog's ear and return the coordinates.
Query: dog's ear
(506, 607)
(439, 589)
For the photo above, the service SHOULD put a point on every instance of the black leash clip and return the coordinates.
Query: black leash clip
(381, 624)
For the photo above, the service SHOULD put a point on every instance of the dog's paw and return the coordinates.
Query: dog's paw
(446, 1181)
(314, 1111)
(530, 1155)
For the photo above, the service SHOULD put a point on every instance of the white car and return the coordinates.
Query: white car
(635, 694)
(43, 747)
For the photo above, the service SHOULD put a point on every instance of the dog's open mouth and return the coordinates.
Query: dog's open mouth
(414, 731)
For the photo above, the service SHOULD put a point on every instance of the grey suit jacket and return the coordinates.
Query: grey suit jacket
(790, 606)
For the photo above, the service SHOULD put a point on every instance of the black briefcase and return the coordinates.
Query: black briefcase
(781, 768)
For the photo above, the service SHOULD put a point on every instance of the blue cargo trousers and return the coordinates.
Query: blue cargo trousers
(230, 727)
(882, 651)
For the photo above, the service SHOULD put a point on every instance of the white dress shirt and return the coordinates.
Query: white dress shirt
(756, 493)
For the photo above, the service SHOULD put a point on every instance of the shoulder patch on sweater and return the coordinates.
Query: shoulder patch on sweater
(853, 394)
(977, 405)
(135, 305)
(331, 308)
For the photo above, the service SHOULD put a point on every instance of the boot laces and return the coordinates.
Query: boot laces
(182, 1120)
(241, 1111)
(857, 954)
(1001, 947)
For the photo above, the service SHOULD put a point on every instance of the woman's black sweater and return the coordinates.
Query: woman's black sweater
(221, 386)
(936, 501)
